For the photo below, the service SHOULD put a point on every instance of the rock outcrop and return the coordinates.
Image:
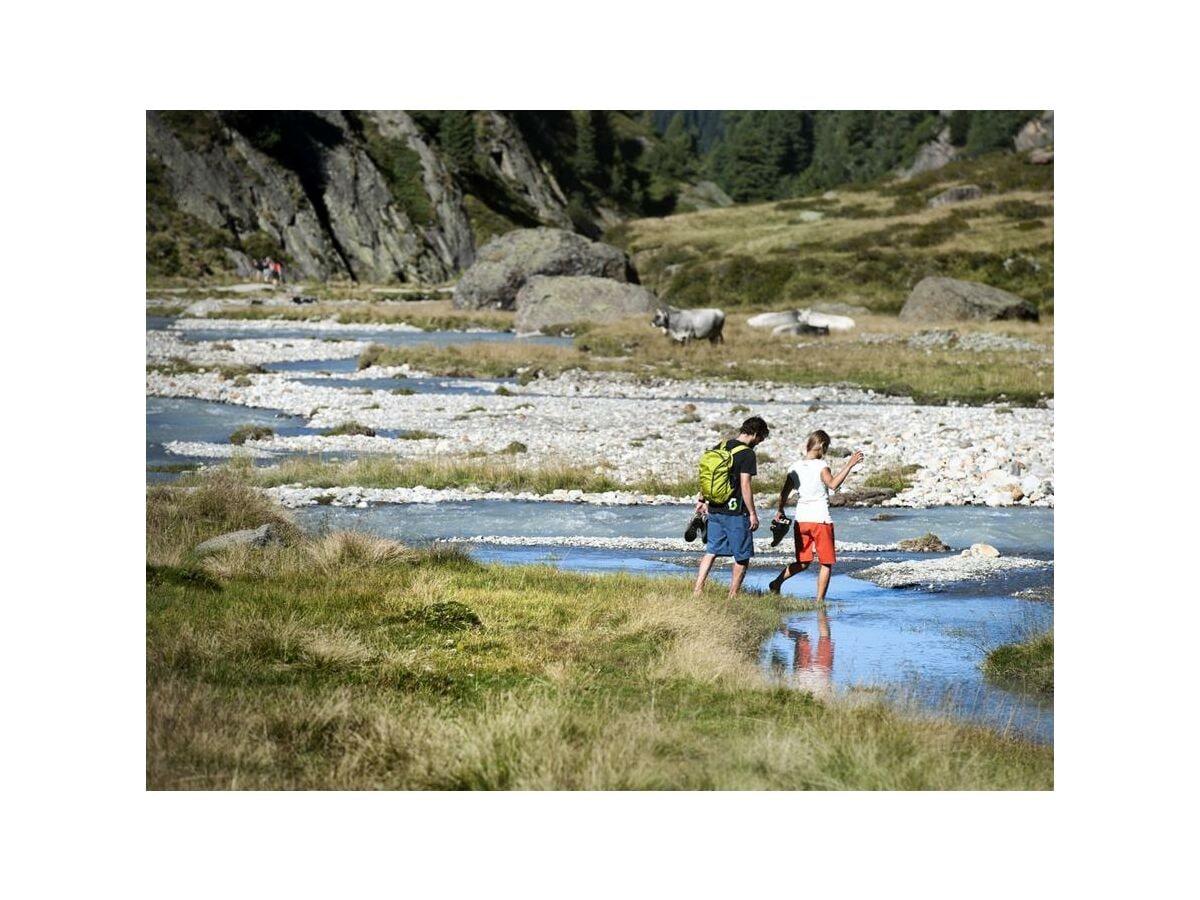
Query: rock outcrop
(950, 300)
(700, 196)
(452, 237)
(1037, 132)
(933, 155)
(505, 263)
(926, 543)
(547, 300)
(510, 160)
(334, 218)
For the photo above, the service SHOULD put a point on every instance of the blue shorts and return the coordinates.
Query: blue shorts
(730, 536)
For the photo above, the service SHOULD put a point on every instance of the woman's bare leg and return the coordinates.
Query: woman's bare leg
(823, 581)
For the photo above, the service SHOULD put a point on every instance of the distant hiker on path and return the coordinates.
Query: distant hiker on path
(811, 479)
(726, 496)
(276, 271)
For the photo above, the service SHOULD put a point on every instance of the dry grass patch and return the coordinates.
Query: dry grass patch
(429, 315)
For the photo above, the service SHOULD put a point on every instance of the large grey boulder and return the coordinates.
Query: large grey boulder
(1037, 132)
(959, 194)
(263, 536)
(547, 300)
(505, 263)
(950, 300)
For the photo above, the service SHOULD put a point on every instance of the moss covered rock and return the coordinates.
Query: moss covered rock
(504, 265)
(560, 300)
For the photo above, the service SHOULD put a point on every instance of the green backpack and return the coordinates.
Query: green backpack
(716, 464)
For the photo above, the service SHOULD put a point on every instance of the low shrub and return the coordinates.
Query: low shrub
(250, 433)
(349, 428)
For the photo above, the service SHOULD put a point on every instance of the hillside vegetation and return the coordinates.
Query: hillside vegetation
(865, 245)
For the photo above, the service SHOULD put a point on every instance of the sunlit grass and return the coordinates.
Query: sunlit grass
(348, 661)
(505, 471)
(1027, 666)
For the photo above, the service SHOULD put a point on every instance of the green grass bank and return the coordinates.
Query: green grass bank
(346, 662)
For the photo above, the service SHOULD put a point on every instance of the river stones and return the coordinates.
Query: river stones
(926, 543)
(981, 551)
(951, 300)
(944, 570)
(505, 263)
(263, 536)
(547, 300)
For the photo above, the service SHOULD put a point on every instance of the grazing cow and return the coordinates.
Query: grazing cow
(684, 325)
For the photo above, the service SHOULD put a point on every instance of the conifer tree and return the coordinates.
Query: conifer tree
(456, 134)
(587, 162)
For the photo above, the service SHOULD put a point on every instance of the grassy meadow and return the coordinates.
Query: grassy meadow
(346, 661)
(865, 245)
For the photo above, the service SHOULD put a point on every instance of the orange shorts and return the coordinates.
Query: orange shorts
(818, 534)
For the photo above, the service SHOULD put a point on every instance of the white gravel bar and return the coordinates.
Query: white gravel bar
(915, 573)
(268, 325)
(624, 427)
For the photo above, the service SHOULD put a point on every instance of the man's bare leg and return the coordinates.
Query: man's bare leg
(739, 572)
(706, 562)
(823, 581)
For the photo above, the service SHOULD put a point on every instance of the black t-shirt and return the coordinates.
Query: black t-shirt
(743, 461)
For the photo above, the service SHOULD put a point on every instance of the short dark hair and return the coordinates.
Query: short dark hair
(757, 427)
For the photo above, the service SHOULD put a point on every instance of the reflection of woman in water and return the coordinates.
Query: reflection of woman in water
(815, 674)
(790, 652)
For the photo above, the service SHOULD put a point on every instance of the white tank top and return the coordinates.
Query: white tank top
(812, 497)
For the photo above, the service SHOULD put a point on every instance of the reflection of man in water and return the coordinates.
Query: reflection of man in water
(791, 652)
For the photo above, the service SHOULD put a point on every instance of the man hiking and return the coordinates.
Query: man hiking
(732, 518)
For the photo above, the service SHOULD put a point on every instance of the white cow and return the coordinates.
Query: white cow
(684, 325)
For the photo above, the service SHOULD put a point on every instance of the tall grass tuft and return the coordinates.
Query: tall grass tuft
(220, 500)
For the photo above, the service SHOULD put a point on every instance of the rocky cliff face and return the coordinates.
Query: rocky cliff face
(319, 199)
(369, 196)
